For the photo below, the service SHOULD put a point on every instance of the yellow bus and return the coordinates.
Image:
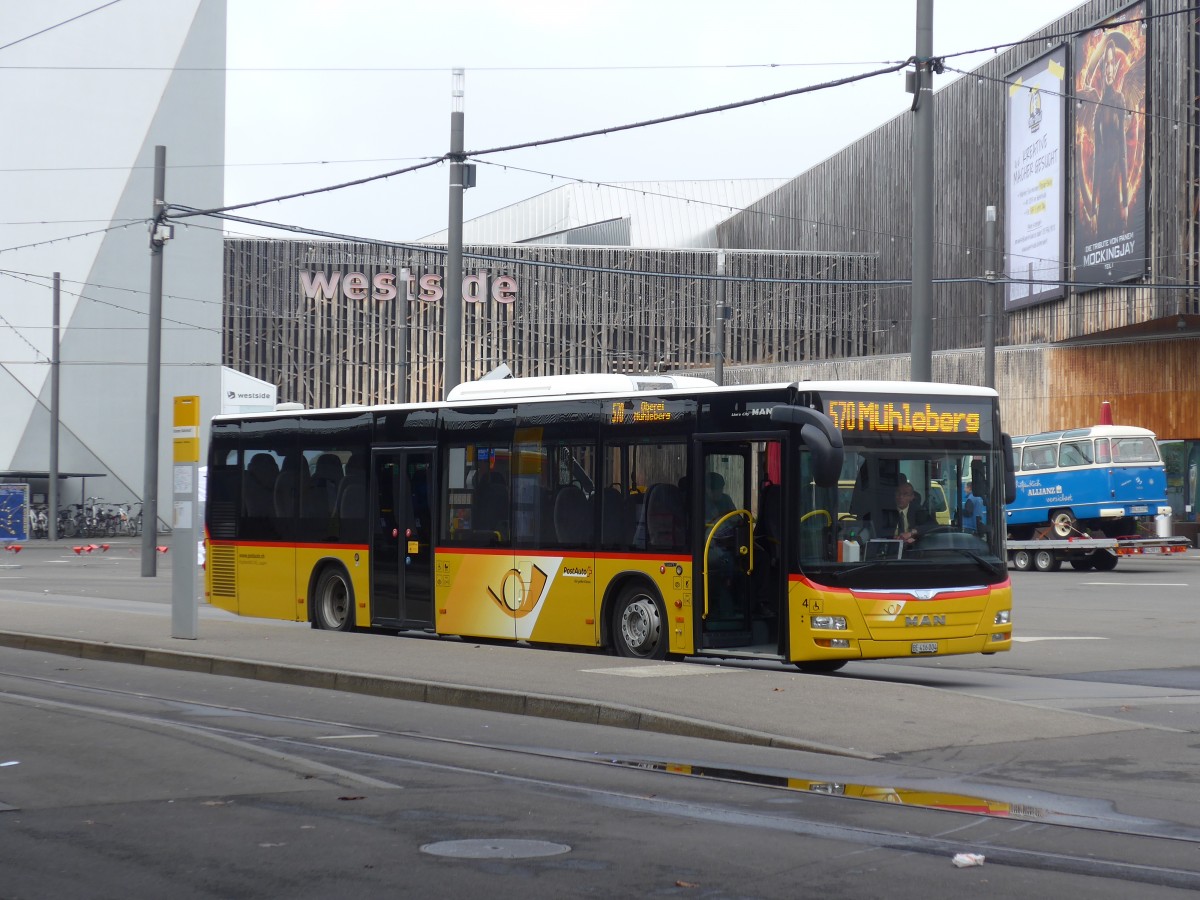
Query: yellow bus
(650, 516)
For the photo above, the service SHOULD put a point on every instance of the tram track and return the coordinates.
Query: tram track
(365, 756)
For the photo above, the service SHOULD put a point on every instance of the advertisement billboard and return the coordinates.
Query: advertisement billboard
(1109, 151)
(1035, 181)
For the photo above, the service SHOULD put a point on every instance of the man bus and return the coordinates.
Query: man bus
(570, 510)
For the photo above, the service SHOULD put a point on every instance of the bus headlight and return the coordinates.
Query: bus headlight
(828, 623)
(1003, 617)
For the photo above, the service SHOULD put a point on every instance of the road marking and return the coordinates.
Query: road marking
(1137, 583)
(343, 737)
(1026, 639)
(658, 671)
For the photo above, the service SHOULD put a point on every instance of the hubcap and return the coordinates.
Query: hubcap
(640, 626)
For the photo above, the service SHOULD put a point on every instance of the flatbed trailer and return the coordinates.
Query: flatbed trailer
(1102, 553)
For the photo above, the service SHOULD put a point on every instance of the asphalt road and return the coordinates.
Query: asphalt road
(117, 768)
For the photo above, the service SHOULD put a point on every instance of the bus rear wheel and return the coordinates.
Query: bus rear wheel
(333, 601)
(1062, 522)
(638, 624)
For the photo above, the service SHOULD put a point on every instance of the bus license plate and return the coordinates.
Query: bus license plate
(924, 647)
(1139, 509)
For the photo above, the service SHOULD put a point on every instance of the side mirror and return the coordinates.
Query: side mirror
(821, 436)
(1010, 470)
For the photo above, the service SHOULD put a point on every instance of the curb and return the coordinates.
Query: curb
(545, 706)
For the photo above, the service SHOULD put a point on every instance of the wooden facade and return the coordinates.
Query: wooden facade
(577, 309)
(1151, 384)
(860, 199)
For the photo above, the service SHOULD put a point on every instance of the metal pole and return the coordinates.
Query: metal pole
(452, 332)
(52, 500)
(989, 300)
(719, 351)
(153, 373)
(402, 313)
(922, 200)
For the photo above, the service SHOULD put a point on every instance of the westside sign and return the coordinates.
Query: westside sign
(381, 286)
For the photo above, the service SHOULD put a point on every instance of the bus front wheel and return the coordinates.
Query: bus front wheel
(638, 624)
(333, 601)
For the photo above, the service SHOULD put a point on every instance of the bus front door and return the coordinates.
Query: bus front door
(723, 549)
(402, 538)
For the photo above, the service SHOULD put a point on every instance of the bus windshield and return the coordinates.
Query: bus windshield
(899, 518)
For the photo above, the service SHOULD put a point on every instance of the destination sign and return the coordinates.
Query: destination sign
(898, 416)
(644, 412)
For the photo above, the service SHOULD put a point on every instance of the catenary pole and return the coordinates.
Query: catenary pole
(922, 199)
(452, 333)
(52, 500)
(989, 300)
(153, 368)
(719, 350)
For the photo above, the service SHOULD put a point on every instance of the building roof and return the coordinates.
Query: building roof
(650, 214)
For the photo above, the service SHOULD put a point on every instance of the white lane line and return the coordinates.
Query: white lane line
(1028, 639)
(1137, 583)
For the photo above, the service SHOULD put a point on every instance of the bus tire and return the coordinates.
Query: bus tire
(1062, 523)
(1046, 561)
(639, 624)
(1022, 560)
(333, 601)
(1103, 561)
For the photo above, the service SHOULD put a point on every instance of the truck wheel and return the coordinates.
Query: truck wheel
(1081, 565)
(1022, 560)
(1103, 561)
(1046, 561)
(1063, 523)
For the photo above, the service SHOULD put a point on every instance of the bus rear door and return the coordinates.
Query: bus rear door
(402, 537)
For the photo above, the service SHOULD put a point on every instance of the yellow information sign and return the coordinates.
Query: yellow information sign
(186, 429)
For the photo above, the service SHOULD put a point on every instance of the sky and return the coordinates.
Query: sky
(321, 92)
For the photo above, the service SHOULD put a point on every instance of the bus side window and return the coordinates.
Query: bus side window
(1102, 450)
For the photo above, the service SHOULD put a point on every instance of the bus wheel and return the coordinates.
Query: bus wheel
(1046, 561)
(333, 606)
(1103, 561)
(1062, 523)
(819, 666)
(1022, 560)
(638, 629)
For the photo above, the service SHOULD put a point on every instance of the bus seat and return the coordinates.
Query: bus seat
(491, 508)
(612, 517)
(291, 478)
(320, 495)
(259, 485)
(352, 492)
(664, 517)
(572, 516)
